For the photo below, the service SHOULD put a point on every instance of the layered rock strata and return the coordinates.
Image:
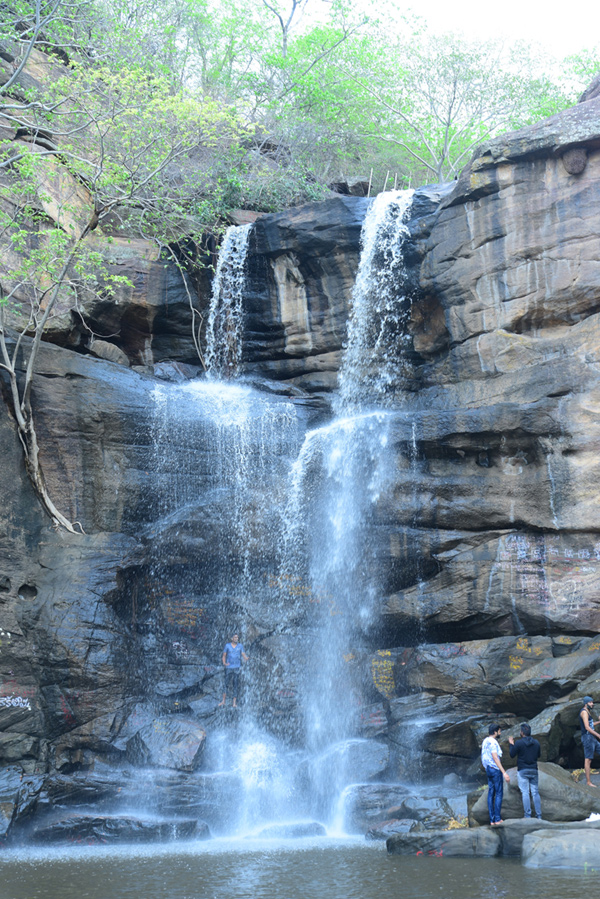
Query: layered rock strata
(487, 546)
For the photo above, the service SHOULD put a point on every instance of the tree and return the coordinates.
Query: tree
(437, 98)
(101, 144)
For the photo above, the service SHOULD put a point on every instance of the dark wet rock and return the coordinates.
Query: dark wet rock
(562, 849)
(108, 351)
(385, 829)
(371, 807)
(562, 798)
(293, 830)
(151, 792)
(176, 372)
(302, 264)
(89, 829)
(367, 804)
(10, 785)
(350, 761)
(169, 742)
(459, 843)
(419, 808)
(513, 831)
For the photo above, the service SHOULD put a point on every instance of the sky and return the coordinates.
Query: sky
(561, 28)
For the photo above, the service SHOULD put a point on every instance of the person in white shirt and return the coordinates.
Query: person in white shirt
(490, 759)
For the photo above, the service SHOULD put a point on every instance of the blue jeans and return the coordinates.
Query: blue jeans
(526, 779)
(590, 745)
(495, 792)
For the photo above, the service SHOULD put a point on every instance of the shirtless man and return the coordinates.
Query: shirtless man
(589, 737)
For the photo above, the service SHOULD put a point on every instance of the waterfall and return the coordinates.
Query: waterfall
(374, 357)
(223, 448)
(283, 538)
(336, 485)
(226, 314)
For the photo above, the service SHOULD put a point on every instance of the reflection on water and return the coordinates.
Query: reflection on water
(304, 869)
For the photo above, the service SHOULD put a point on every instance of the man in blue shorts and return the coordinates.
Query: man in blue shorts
(233, 654)
(589, 738)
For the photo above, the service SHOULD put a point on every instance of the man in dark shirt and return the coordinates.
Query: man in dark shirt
(528, 752)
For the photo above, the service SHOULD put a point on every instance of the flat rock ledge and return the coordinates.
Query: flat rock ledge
(91, 829)
(540, 844)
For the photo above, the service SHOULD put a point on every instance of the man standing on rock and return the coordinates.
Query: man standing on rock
(490, 759)
(232, 661)
(589, 738)
(527, 750)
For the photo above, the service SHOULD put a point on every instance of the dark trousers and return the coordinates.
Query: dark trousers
(232, 681)
(495, 792)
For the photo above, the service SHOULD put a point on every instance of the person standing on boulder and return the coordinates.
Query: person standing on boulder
(490, 759)
(527, 750)
(589, 737)
(233, 654)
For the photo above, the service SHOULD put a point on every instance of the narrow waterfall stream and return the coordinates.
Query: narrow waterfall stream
(225, 318)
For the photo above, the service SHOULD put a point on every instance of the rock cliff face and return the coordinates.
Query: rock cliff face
(487, 545)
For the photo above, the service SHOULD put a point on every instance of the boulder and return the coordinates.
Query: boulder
(385, 829)
(169, 742)
(372, 806)
(461, 843)
(513, 831)
(550, 679)
(368, 804)
(562, 798)
(109, 351)
(562, 849)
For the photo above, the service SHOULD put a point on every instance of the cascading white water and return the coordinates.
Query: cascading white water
(337, 480)
(226, 453)
(377, 329)
(342, 471)
(226, 314)
(222, 443)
